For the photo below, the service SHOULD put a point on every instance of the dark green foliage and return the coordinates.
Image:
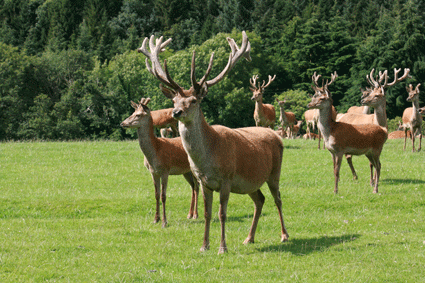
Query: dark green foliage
(68, 69)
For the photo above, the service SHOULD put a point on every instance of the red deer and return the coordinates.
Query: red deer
(264, 114)
(342, 138)
(412, 118)
(223, 160)
(163, 157)
(287, 119)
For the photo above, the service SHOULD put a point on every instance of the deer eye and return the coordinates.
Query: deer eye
(193, 101)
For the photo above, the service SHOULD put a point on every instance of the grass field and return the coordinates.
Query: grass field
(83, 212)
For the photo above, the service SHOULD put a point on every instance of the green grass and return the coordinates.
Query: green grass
(83, 212)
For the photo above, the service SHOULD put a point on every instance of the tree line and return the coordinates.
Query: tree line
(69, 69)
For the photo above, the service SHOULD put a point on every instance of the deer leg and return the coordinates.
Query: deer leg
(222, 215)
(208, 199)
(274, 190)
(258, 199)
(337, 166)
(319, 138)
(193, 211)
(175, 131)
(164, 199)
(350, 163)
(157, 182)
(420, 139)
(413, 140)
(405, 137)
(374, 159)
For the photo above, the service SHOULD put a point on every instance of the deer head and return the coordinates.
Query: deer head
(321, 95)
(140, 117)
(257, 92)
(413, 92)
(186, 102)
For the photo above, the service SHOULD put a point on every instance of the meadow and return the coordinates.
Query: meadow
(83, 212)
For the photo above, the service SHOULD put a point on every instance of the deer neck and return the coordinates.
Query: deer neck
(195, 138)
(380, 115)
(325, 122)
(259, 107)
(415, 105)
(282, 115)
(148, 142)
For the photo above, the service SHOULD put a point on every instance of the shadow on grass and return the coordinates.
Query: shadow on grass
(401, 181)
(303, 247)
(291, 147)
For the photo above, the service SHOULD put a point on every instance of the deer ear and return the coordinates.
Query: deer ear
(167, 92)
(134, 105)
(251, 89)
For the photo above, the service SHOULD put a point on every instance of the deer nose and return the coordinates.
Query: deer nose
(177, 113)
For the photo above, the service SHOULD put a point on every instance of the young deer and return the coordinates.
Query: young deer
(287, 119)
(264, 114)
(224, 160)
(163, 119)
(163, 157)
(296, 129)
(342, 138)
(412, 117)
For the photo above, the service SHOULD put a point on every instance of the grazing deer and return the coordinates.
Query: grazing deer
(373, 97)
(224, 160)
(264, 114)
(412, 118)
(163, 157)
(342, 138)
(163, 118)
(287, 119)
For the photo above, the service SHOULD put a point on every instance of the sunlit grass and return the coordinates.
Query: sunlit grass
(83, 212)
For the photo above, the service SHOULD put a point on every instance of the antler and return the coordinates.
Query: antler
(253, 81)
(315, 79)
(156, 68)
(333, 77)
(234, 57)
(396, 80)
(263, 86)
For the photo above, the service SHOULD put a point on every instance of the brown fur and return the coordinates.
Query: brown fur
(412, 117)
(163, 157)
(264, 114)
(163, 118)
(398, 135)
(342, 138)
(359, 109)
(287, 119)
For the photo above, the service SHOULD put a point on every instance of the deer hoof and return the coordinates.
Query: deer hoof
(164, 224)
(248, 240)
(205, 248)
(222, 250)
(285, 238)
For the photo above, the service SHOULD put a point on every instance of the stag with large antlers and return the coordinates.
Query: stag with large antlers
(163, 157)
(264, 114)
(224, 160)
(412, 117)
(342, 138)
(374, 97)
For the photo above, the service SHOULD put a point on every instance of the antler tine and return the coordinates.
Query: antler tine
(234, 57)
(253, 81)
(156, 68)
(315, 78)
(270, 80)
(334, 75)
(396, 80)
(371, 80)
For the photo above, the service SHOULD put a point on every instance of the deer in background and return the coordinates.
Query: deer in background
(296, 129)
(376, 95)
(163, 118)
(287, 119)
(163, 157)
(412, 118)
(264, 114)
(342, 138)
(224, 160)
